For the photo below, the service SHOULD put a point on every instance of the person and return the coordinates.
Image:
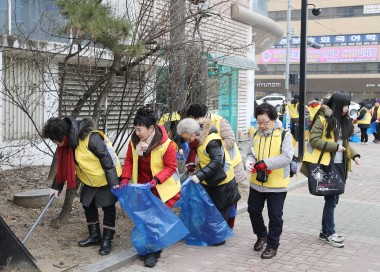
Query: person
(331, 125)
(87, 153)
(363, 120)
(151, 157)
(293, 109)
(225, 131)
(214, 168)
(375, 117)
(313, 106)
(268, 161)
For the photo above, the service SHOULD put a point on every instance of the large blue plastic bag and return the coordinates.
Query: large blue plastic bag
(354, 138)
(372, 128)
(156, 226)
(199, 214)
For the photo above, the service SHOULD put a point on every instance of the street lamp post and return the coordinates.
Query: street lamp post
(287, 65)
(302, 80)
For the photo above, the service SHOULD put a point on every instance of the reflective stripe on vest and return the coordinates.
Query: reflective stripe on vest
(277, 178)
(204, 158)
(88, 167)
(168, 188)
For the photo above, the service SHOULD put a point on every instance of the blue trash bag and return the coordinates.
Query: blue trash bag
(199, 214)
(156, 226)
(186, 150)
(372, 128)
(354, 138)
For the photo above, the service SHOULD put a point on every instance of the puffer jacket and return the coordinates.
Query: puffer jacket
(315, 141)
(79, 130)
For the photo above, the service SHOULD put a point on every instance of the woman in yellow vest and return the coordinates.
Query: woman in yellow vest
(151, 157)
(363, 120)
(87, 154)
(268, 162)
(214, 169)
(332, 125)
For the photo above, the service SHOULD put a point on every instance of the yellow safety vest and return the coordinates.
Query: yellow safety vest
(312, 154)
(169, 187)
(204, 158)
(366, 120)
(169, 117)
(277, 178)
(88, 167)
(313, 111)
(293, 110)
(234, 152)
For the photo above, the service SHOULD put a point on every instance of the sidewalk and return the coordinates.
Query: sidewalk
(357, 217)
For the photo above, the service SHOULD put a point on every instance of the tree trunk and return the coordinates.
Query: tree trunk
(66, 209)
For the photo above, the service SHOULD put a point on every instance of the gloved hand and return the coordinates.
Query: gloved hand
(190, 167)
(55, 193)
(195, 179)
(249, 166)
(153, 182)
(260, 165)
(124, 182)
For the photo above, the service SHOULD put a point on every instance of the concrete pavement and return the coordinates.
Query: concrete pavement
(357, 216)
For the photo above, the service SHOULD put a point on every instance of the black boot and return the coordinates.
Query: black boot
(105, 245)
(94, 238)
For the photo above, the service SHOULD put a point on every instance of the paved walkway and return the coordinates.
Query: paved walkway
(357, 216)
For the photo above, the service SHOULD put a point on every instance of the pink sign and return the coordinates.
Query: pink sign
(365, 53)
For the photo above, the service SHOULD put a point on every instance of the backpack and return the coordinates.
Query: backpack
(293, 163)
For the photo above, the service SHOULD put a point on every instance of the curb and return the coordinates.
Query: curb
(119, 260)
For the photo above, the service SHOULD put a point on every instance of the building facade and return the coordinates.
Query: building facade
(32, 65)
(348, 60)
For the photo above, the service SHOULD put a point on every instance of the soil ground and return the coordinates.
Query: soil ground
(56, 249)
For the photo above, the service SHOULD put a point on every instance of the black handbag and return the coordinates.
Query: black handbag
(224, 195)
(325, 180)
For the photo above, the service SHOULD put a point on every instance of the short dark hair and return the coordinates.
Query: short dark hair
(55, 129)
(268, 109)
(145, 117)
(197, 110)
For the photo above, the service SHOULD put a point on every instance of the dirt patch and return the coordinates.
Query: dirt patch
(53, 249)
(56, 249)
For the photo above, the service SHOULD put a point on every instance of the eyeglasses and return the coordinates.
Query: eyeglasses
(263, 122)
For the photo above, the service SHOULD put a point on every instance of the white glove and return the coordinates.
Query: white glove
(249, 166)
(195, 179)
(54, 193)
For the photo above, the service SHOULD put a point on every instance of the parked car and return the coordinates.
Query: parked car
(273, 99)
(354, 109)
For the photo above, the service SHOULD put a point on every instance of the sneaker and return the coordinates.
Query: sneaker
(268, 253)
(323, 236)
(259, 245)
(334, 240)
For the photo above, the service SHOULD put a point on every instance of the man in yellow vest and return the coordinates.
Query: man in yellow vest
(87, 154)
(293, 109)
(363, 120)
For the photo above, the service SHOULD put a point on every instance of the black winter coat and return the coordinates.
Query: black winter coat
(102, 196)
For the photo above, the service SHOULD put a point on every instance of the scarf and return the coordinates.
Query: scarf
(192, 157)
(65, 165)
(142, 146)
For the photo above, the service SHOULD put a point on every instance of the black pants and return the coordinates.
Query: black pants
(92, 214)
(363, 135)
(275, 205)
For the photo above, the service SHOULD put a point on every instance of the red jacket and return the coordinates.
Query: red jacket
(144, 170)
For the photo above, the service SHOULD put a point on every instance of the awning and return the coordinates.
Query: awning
(239, 62)
(265, 31)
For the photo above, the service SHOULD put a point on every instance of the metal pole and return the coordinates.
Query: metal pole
(9, 17)
(302, 82)
(287, 65)
(38, 219)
